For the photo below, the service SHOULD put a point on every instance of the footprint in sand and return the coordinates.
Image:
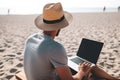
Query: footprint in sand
(7, 45)
(2, 49)
(18, 53)
(20, 58)
(11, 55)
(1, 71)
(1, 74)
(13, 70)
(19, 65)
(1, 65)
(9, 77)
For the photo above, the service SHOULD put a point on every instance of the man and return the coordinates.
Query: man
(44, 58)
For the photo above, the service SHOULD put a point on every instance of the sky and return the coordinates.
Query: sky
(37, 5)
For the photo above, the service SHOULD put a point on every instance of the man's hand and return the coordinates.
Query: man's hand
(65, 74)
(84, 69)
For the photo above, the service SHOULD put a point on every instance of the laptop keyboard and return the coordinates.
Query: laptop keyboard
(77, 60)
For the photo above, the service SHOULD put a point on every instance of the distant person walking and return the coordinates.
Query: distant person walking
(8, 11)
(119, 9)
(104, 9)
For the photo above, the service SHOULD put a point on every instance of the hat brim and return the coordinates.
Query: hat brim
(49, 27)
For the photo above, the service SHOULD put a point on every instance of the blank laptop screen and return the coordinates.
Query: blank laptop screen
(90, 50)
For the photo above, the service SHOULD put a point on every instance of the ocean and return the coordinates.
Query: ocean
(6, 11)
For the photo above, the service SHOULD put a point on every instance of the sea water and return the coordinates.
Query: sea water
(35, 11)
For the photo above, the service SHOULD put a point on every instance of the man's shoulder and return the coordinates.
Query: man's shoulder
(33, 35)
(56, 45)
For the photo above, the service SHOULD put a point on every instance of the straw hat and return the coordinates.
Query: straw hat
(53, 17)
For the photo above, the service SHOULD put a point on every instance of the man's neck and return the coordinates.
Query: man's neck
(49, 33)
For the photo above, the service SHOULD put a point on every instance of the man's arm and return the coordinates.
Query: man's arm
(65, 73)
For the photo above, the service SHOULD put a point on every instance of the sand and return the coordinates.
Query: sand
(104, 27)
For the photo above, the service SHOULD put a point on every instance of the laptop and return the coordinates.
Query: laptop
(89, 51)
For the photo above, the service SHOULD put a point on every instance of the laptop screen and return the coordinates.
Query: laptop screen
(90, 50)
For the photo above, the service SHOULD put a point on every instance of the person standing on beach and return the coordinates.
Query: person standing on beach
(8, 11)
(104, 9)
(46, 59)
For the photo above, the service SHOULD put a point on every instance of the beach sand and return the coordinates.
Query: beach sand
(104, 27)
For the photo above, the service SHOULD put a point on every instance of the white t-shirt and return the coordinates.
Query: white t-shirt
(41, 56)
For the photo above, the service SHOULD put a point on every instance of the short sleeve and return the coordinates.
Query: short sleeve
(58, 56)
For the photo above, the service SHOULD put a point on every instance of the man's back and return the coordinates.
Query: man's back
(42, 54)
